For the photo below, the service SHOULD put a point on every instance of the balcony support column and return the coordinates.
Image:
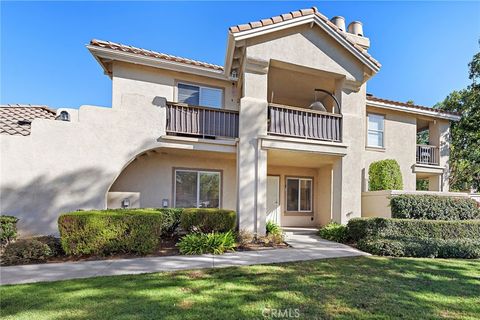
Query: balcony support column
(251, 159)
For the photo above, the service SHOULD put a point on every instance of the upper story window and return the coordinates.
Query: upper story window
(376, 126)
(200, 95)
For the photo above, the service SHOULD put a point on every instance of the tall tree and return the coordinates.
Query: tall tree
(465, 140)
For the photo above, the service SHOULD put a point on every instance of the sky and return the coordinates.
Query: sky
(424, 47)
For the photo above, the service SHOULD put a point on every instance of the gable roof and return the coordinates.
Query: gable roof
(413, 108)
(16, 119)
(299, 14)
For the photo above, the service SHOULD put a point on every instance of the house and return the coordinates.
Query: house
(283, 131)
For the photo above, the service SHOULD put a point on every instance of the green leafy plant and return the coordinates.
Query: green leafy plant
(385, 175)
(25, 251)
(104, 232)
(8, 229)
(208, 220)
(334, 232)
(200, 243)
(273, 228)
(422, 206)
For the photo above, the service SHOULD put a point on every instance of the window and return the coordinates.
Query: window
(375, 130)
(200, 96)
(299, 194)
(197, 189)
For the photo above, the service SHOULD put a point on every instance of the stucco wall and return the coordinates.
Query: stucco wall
(152, 176)
(400, 141)
(151, 82)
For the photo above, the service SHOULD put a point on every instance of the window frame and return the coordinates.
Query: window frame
(375, 131)
(299, 194)
(200, 87)
(198, 171)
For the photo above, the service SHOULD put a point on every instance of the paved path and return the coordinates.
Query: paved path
(305, 246)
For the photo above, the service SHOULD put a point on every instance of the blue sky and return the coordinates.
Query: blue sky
(424, 47)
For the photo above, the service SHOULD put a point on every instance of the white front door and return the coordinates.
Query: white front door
(273, 199)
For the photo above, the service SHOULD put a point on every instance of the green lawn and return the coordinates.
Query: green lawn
(354, 288)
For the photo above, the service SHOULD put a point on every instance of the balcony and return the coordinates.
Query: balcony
(207, 123)
(304, 123)
(427, 154)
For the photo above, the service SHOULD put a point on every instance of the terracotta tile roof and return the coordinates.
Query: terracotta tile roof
(149, 53)
(408, 105)
(15, 119)
(302, 13)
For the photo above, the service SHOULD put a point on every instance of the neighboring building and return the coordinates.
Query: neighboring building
(284, 130)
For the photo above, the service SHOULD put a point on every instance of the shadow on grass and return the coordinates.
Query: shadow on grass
(360, 288)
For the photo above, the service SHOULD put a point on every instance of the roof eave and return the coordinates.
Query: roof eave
(431, 113)
(246, 34)
(103, 53)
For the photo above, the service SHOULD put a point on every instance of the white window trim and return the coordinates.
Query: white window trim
(299, 194)
(376, 131)
(198, 185)
(200, 87)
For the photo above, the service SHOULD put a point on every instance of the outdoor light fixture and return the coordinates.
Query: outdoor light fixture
(165, 203)
(125, 203)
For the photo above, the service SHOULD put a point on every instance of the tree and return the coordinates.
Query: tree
(465, 140)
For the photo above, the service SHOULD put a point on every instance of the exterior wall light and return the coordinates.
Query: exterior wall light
(125, 203)
(165, 203)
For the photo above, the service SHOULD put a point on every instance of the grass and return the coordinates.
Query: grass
(354, 288)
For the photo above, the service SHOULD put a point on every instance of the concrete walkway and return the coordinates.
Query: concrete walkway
(305, 246)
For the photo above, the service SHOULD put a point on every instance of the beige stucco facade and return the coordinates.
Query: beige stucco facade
(104, 154)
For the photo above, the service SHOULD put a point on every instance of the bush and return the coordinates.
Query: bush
(106, 232)
(53, 243)
(385, 175)
(25, 251)
(414, 247)
(171, 221)
(200, 243)
(208, 220)
(8, 229)
(273, 228)
(360, 228)
(423, 206)
(334, 232)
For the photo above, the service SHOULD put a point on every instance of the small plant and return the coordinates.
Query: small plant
(200, 243)
(385, 175)
(273, 228)
(26, 251)
(274, 234)
(334, 232)
(8, 229)
(244, 238)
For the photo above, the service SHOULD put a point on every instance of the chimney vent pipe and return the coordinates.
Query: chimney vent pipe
(339, 21)
(356, 28)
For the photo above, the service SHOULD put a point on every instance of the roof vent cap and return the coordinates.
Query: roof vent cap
(356, 28)
(339, 21)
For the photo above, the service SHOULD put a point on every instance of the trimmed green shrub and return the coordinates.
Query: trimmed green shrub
(171, 220)
(432, 207)
(53, 243)
(200, 243)
(385, 175)
(8, 229)
(208, 220)
(106, 232)
(360, 228)
(25, 251)
(414, 247)
(334, 232)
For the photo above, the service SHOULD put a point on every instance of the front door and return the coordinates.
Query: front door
(273, 199)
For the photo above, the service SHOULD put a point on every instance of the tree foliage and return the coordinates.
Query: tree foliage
(465, 141)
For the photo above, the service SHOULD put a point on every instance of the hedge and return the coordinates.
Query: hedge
(360, 228)
(8, 229)
(431, 248)
(208, 220)
(423, 206)
(385, 175)
(26, 251)
(104, 232)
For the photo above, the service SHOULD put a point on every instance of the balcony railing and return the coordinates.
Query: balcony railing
(304, 123)
(201, 121)
(427, 154)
